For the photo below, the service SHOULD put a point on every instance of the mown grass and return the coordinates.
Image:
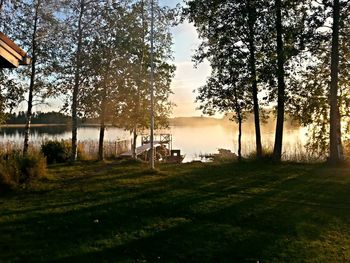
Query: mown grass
(228, 212)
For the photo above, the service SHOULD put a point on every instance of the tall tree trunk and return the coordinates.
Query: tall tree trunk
(103, 120)
(336, 148)
(239, 138)
(134, 142)
(76, 86)
(101, 142)
(103, 113)
(32, 83)
(277, 152)
(240, 121)
(102, 136)
(254, 80)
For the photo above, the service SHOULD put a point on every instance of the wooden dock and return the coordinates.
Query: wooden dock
(141, 149)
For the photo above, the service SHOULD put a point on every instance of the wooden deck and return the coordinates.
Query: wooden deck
(141, 149)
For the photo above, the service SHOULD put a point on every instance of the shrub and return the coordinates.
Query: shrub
(267, 155)
(9, 170)
(9, 174)
(31, 167)
(16, 170)
(55, 151)
(82, 155)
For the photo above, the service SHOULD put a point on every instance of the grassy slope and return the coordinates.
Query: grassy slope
(189, 213)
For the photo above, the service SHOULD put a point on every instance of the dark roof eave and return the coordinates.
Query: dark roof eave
(15, 55)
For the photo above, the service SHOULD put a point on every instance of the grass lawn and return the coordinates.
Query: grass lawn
(121, 212)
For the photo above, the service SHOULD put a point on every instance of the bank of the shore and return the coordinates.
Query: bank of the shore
(32, 125)
(49, 125)
(123, 212)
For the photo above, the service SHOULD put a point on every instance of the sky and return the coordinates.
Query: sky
(187, 77)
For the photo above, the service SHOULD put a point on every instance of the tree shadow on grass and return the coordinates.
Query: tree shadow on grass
(234, 234)
(198, 214)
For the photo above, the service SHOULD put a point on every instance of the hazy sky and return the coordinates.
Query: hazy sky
(187, 78)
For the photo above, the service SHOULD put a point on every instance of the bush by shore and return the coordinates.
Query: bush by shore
(17, 170)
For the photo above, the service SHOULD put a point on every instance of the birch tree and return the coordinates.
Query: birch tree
(34, 26)
(134, 113)
(109, 63)
(80, 18)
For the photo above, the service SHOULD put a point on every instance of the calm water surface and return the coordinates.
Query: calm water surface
(192, 140)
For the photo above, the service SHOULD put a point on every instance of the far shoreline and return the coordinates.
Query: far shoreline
(32, 125)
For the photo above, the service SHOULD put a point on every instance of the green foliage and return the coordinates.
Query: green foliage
(231, 50)
(132, 113)
(56, 151)
(106, 67)
(310, 101)
(11, 93)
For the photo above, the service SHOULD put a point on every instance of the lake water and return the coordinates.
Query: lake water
(193, 141)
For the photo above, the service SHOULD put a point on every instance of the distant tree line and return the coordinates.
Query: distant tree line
(290, 54)
(47, 118)
(96, 54)
(38, 118)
